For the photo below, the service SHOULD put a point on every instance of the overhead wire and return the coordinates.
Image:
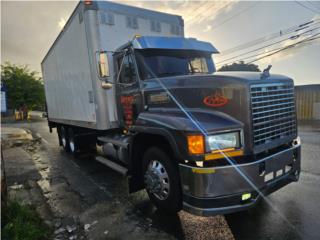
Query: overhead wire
(267, 38)
(306, 7)
(271, 44)
(194, 11)
(198, 16)
(270, 37)
(270, 52)
(285, 48)
(235, 15)
(309, 39)
(315, 6)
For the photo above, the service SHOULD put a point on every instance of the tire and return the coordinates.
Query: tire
(73, 142)
(159, 167)
(64, 138)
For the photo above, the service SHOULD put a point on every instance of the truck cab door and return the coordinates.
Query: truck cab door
(128, 90)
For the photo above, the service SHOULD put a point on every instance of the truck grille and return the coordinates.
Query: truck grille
(273, 112)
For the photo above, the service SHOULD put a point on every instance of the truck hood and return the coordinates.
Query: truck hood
(214, 103)
(222, 92)
(249, 76)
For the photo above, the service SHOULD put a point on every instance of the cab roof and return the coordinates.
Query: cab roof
(173, 43)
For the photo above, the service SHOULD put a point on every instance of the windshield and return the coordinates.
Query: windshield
(160, 63)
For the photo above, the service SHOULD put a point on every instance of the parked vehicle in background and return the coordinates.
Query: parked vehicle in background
(128, 80)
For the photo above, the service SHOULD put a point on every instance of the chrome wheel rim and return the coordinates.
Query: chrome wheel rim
(157, 180)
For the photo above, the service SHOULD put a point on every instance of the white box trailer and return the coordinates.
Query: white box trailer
(70, 69)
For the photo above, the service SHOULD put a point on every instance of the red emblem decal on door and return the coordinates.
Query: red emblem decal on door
(215, 100)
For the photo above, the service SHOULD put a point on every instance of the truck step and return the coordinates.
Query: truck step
(114, 142)
(118, 168)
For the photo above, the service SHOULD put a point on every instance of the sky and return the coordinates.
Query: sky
(28, 28)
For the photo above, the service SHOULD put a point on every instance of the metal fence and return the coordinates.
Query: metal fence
(308, 102)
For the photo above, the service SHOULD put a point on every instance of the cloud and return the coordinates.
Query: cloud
(316, 18)
(193, 12)
(208, 28)
(28, 29)
(290, 52)
(295, 37)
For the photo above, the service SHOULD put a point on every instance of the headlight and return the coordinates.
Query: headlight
(223, 141)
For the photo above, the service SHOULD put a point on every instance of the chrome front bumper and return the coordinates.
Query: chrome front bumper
(218, 190)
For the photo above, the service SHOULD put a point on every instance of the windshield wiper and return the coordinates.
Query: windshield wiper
(170, 74)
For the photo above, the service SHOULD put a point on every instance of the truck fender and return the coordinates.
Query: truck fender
(161, 132)
(135, 163)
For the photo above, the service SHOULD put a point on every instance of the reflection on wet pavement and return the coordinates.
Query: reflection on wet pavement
(89, 191)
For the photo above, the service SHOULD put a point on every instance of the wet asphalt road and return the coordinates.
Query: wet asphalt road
(85, 188)
(294, 212)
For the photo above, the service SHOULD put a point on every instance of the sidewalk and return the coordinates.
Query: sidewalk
(24, 177)
(13, 134)
(21, 172)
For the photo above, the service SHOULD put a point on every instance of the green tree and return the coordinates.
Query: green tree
(240, 66)
(23, 86)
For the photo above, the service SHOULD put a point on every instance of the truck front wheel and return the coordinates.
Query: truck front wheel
(161, 180)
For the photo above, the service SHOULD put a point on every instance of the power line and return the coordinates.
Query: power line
(274, 50)
(314, 5)
(271, 44)
(190, 20)
(306, 7)
(270, 37)
(280, 51)
(235, 15)
(195, 18)
(309, 39)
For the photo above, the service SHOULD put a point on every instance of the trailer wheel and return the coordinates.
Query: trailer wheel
(73, 142)
(64, 139)
(161, 180)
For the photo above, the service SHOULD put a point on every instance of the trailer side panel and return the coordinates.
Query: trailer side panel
(67, 76)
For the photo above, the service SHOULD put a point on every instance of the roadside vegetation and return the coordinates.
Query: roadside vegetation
(240, 66)
(24, 87)
(22, 223)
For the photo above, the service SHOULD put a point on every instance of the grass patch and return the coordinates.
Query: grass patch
(22, 223)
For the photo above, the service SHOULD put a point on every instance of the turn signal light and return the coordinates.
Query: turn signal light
(196, 144)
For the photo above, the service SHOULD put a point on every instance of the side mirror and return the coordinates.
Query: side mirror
(106, 85)
(103, 65)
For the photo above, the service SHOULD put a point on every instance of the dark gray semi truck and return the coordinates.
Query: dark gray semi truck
(126, 79)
